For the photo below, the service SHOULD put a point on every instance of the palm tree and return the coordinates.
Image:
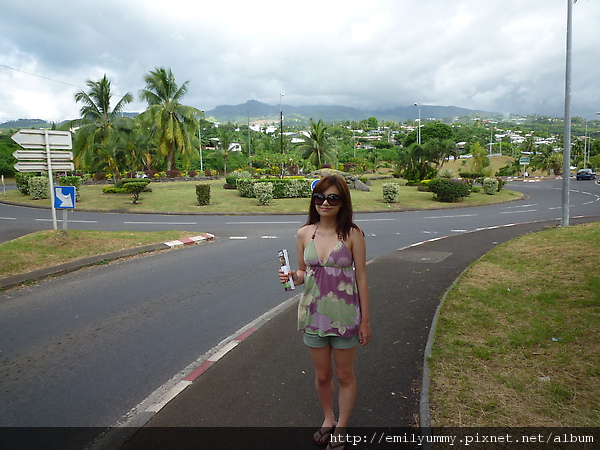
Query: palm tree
(320, 149)
(225, 141)
(98, 142)
(173, 126)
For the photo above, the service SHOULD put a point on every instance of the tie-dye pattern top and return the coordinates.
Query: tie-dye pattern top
(329, 305)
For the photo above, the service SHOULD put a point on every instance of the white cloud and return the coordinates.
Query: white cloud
(498, 55)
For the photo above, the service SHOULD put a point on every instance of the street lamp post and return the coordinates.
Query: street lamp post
(419, 126)
(566, 186)
(281, 122)
(586, 149)
(200, 139)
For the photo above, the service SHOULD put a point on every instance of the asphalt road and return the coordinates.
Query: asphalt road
(85, 348)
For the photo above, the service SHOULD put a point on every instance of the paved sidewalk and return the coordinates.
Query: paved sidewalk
(267, 380)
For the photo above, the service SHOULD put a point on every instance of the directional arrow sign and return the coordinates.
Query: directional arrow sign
(40, 155)
(64, 197)
(42, 166)
(37, 139)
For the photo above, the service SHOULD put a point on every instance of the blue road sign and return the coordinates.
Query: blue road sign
(64, 197)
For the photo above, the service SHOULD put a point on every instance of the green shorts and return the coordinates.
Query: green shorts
(316, 341)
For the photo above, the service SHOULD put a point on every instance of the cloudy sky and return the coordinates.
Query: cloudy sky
(494, 55)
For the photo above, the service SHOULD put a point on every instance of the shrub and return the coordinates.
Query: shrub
(449, 191)
(192, 173)
(114, 190)
(173, 173)
(71, 181)
(264, 192)
(135, 187)
(203, 194)
(490, 186)
(390, 192)
(282, 188)
(39, 187)
(501, 183)
(446, 173)
(22, 180)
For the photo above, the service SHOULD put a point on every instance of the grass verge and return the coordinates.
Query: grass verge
(517, 339)
(50, 248)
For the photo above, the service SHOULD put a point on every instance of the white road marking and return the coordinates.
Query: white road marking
(163, 223)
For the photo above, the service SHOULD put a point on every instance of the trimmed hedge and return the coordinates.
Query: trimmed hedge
(203, 194)
(449, 191)
(282, 188)
(263, 192)
(490, 186)
(390, 192)
(71, 181)
(39, 187)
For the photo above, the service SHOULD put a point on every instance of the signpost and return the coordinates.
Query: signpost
(43, 158)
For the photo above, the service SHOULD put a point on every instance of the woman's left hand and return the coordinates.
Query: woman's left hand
(364, 333)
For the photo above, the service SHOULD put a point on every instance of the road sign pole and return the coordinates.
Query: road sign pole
(50, 180)
(64, 219)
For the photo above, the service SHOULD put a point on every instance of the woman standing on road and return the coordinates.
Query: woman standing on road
(333, 313)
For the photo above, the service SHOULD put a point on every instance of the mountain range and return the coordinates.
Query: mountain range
(254, 110)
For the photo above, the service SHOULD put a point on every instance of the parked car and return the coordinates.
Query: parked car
(586, 174)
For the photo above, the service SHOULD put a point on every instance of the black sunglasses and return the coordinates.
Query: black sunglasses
(332, 199)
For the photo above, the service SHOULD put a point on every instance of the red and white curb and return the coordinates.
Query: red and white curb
(191, 240)
(185, 378)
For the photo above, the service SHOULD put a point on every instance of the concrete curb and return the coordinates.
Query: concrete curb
(17, 280)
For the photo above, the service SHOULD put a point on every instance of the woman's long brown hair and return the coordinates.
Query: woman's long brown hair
(345, 215)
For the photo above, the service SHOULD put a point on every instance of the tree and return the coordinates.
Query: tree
(173, 126)
(431, 130)
(99, 141)
(224, 145)
(320, 148)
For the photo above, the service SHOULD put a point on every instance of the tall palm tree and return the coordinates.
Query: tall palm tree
(173, 126)
(98, 142)
(224, 143)
(320, 148)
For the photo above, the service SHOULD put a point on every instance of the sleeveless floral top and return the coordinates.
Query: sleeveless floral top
(329, 305)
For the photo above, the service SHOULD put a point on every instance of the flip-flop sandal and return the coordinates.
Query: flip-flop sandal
(339, 445)
(323, 435)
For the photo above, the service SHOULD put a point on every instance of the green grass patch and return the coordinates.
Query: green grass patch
(180, 196)
(517, 339)
(50, 248)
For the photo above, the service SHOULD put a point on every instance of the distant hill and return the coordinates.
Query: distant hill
(25, 123)
(257, 111)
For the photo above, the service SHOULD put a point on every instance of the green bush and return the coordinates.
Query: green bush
(490, 186)
(22, 180)
(39, 187)
(282, 188)
(114, 190)
(135, 187)
(203, 194)
(390, 192)
(448, 191)
(71, 181)
(264, 192)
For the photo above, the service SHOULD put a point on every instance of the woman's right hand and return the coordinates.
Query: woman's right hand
(285, 277)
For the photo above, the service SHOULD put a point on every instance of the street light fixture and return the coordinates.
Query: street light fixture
(419, 127)
(586, 149)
